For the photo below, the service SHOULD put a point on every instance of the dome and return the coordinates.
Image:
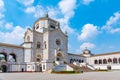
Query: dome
(86, 51)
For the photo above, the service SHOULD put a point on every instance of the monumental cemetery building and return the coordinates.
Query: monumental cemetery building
(45, 48)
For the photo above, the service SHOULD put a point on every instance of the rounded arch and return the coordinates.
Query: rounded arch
(115, 60)
(58, 42)
(74, 60)
(59, 56)
(100, 61)
(71, 60)
(3, 56)
(95, 61)
(104, 61)
(109, 60)
(38, 57)
(4, 68)
(12, 57)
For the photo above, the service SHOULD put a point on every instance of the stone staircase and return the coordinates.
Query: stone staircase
(81, 68)
(63, 67)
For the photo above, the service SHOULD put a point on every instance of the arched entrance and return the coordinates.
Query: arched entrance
(39, 68)
(3, 57)
(12, 57)
(4, 68)
(109, 67)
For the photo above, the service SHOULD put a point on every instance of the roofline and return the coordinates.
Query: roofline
(104, 54)
(11, 45)
(44, 18)
(75, 54)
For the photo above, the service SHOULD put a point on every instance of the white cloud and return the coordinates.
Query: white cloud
(9, 26)
(26, 2)
(2, 9)
(88, 31)
(30, 9)
(88, 45)
(14, 37)
(84, 45)
(67, 6)
(39, 11)
(87, 2)
(1, 5)
(67, 9)
(113, 23)
(63, 12)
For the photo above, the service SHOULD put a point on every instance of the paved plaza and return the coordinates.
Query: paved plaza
(114, 75)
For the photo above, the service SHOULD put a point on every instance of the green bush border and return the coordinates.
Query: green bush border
(65, 72)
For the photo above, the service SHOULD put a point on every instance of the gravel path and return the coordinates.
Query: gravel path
(115, 75)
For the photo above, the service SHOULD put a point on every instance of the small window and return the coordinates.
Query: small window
(37, 26)
(58, 42)
(52, 26)
(38, 45)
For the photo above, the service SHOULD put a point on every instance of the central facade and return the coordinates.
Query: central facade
(45, 43)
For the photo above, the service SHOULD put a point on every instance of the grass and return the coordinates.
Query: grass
(102, 70)
(65, 72)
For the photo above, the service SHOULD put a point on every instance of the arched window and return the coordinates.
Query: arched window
(104, 61)
(115, 61)
(109, 60)
(38, 45)
(58, 42)
(71, 60)
(38, 57)
(74, 60)
(100, 61)
(59, 56)
(95, 62)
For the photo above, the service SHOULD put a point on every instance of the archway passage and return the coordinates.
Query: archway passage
(12, 57)
(3, 57)
(4, 68)
(39, 68)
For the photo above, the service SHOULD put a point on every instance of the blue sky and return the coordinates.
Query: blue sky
(94, 24)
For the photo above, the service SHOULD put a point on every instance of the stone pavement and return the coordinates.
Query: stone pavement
(114, 75)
